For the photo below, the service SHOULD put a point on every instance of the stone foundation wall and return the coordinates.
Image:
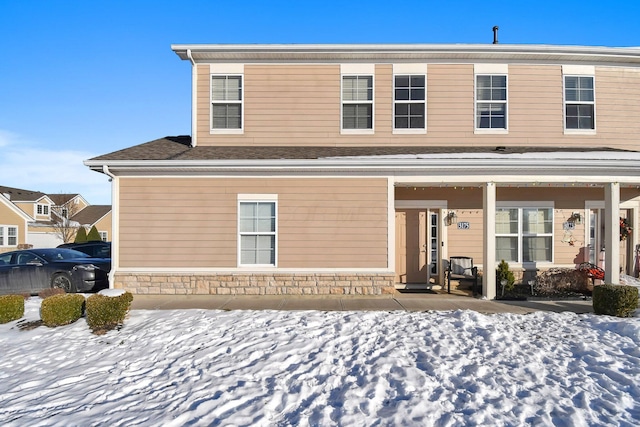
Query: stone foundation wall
(256, 284)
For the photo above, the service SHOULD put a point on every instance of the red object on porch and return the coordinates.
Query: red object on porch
(592, 271)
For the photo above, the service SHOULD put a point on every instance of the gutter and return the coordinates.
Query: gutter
(194, 97)
(114, 223)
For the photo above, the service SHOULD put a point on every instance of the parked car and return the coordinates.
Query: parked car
(32, 270)
(95, 249)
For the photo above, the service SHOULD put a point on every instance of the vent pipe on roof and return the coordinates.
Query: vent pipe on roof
(495, 34)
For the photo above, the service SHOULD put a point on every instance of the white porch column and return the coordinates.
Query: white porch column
(612, 233)
(489, 250)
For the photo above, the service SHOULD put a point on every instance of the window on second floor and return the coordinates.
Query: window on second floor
(226, 102)
(103, 236)
(409, 95)
(579, 103)
(357, 102)
(42, 209)
(491, 102)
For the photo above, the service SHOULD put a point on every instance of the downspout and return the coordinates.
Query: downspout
(115, 209)
(194, 86)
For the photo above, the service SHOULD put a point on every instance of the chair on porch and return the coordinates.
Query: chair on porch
(462, 268)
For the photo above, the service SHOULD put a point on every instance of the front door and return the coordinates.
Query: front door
(417, 246)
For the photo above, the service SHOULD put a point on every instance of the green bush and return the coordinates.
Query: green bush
(105, 313)
(615, 300)
(81, 235)
(503, 273)
(62, 309)
(11, 308)
(94, 235)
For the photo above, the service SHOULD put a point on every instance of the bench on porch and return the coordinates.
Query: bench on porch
(462, 268)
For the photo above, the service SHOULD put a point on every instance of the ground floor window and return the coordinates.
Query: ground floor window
(524, 234)
(8, 235)
(257, 232)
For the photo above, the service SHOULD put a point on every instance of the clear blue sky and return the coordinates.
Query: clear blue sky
(84, 78)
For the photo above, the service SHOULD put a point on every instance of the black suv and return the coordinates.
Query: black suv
(95, 249)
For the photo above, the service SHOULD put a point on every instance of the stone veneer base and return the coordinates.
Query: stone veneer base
(256, 284)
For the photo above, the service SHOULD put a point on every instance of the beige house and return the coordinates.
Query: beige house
(29, 218)
(360, 169)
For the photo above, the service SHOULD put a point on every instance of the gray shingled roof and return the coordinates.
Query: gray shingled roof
(179, 148)
(61, 199)
(91, 214)
(20, 195)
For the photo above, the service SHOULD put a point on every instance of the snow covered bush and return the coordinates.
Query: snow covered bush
(615, 300)
(105, 313)
(11, 308)
(62, 309)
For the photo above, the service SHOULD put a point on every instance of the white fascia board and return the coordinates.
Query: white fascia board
(15, 209)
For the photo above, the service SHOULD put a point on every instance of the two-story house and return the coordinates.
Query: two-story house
(33, 219)
(355, 169)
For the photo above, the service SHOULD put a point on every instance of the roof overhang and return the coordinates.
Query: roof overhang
(583, 166)
(381, 53)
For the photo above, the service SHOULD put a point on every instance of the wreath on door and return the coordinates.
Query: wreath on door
(625, 229)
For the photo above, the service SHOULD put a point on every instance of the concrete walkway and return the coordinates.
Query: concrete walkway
(403, 302)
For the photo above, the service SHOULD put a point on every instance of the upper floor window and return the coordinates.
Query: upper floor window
(8, 235)
(257, 232)
(491, 102)
(42, 209)
(579, 103)
(409, 95)
(103, 236)
(226, 102)
(357, 102)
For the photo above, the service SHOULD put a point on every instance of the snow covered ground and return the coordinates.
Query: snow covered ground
(282, 368)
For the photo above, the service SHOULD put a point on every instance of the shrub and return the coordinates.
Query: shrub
(559, 282)
(46, 293)
(11, 307)
(615, 300)
(94, 235)
(105, 313)
(61, 309)
(81, 235)
(503, 273)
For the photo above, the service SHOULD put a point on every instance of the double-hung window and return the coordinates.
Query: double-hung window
(357, 102)
(42, 209)
(579, 103)
(491, 102)
(257, 232)
(409, 95)
(8, 235)
(524, 234)
(226, 103)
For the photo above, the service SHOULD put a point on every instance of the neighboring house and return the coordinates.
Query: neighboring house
(13, 225)
(41, 215)
(355, 169)
(98, 216)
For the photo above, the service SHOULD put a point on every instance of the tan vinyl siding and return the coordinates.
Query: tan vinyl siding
(104, 225)
(12, 219)
(192, 222)
(299, 104)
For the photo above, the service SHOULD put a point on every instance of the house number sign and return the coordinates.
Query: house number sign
(463, 225)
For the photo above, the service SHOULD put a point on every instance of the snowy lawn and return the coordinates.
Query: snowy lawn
(280, 368)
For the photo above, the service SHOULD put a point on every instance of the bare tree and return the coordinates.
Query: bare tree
(63, 226)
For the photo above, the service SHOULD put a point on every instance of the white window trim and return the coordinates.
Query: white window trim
(564, 103)
(497, 131)
(213, 131)
(371, 131)
(5, 236)
(43, 207)
(104, 236)
(257, 198)
(409, 131)
(524, 205)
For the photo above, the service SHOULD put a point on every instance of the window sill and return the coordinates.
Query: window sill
(226, 131)
(491, 131)
(579, 131)
(356, 132)
(409, 131)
